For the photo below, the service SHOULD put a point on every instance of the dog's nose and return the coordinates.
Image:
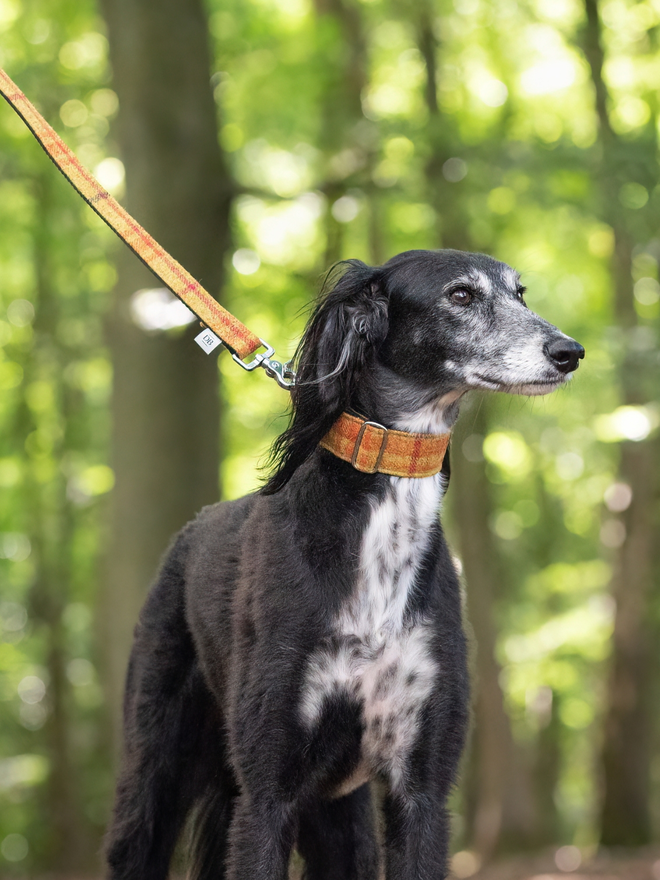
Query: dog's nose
(564, 353)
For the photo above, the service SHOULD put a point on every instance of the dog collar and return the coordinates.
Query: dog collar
(372, 448)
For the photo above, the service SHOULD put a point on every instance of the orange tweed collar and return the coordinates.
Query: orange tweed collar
(372, 449)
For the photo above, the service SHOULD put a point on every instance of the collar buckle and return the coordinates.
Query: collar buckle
(358, 443)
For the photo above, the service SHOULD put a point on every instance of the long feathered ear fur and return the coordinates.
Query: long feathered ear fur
(341, 339)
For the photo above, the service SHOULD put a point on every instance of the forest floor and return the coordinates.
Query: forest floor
(632, 865)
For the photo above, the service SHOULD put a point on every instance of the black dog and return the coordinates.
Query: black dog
(307, 639)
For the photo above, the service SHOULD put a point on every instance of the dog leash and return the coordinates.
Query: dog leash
(221, 327)
(368, 446)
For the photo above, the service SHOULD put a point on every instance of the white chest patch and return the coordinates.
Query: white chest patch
(373, 656)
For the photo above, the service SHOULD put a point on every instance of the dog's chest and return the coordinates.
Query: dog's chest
(379, 654)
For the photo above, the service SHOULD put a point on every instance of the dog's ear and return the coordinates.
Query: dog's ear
(344, 334)
(341, 339)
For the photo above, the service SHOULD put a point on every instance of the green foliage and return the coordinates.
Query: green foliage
(56, 273)
(515, 139)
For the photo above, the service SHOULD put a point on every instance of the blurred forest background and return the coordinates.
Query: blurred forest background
(259, 141)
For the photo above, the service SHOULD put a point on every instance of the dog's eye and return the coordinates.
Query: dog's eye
(520, 293)
(461, 297)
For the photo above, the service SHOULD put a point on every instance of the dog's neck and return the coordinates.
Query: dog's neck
(436, 417)
(405, 413)
(396, 403)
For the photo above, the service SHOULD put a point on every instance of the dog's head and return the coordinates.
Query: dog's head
(459, 321)
(402, 342)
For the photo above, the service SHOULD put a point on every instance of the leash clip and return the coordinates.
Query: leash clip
(282, 373)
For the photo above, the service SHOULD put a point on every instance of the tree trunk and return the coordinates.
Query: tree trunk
(341, 109)
(625, 816)
(444, 195)
(165, 404)
(499, 808)
(52, 526)
(626, 756)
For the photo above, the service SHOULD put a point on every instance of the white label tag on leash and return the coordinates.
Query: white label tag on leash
(208, 340)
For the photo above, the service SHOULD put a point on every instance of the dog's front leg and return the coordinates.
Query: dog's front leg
(266, 752)
(260, 840)
(416, 837)
(337, 838)
(417, 823)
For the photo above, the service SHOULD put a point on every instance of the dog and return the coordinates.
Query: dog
(306, 640)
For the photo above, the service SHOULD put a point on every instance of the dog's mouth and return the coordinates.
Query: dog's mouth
(533, 388)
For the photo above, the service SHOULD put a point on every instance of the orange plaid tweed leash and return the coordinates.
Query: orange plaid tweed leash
(223, 326)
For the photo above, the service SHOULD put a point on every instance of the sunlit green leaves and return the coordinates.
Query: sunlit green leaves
(331, 155)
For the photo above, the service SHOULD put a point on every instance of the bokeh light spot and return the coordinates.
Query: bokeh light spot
(246, 261)
(14, 847)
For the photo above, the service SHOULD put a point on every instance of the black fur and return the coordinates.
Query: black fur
(341, 341)
(253, 587)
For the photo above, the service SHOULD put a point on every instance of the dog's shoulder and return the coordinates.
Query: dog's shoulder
(217, 524)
